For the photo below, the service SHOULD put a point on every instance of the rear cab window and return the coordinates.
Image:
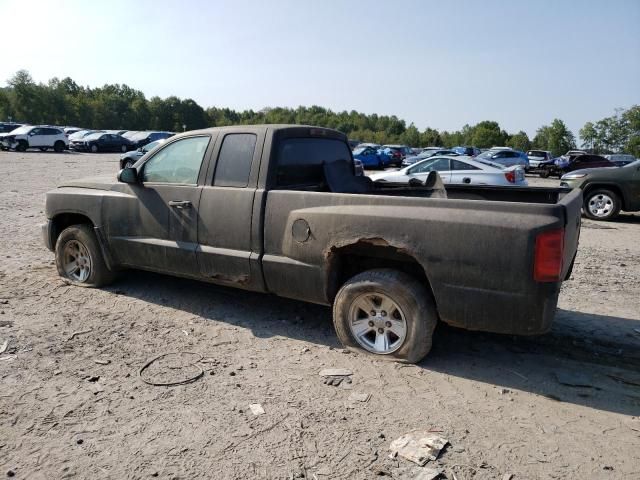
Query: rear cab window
(300, 161)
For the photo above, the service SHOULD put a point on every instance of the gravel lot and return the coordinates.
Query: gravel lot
(72, 403)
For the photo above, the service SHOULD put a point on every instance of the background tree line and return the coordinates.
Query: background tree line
(64, 102)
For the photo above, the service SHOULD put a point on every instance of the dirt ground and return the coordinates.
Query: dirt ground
(73, 404)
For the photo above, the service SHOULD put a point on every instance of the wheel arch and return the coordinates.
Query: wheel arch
(64, 220)
(346, 261)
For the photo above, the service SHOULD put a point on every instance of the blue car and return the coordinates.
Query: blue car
(371, 158)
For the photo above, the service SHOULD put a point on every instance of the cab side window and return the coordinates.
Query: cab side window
(235, 160)
(178, 163)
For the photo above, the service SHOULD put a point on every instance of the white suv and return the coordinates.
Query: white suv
(35, 137)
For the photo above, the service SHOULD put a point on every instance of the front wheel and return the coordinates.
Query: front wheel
(94, 149)
(601, 204)
(22, 146)
(58, 147)
(544, 173)
(385, 312)
(79, 258)
(123, 149)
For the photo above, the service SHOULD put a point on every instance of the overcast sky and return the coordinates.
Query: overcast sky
(434, 63)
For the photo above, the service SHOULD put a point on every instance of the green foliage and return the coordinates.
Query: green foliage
(556, 138)
(618, 133)
(519, 141)
(64, 102)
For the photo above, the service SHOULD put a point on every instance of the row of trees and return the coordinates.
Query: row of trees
(64, 102)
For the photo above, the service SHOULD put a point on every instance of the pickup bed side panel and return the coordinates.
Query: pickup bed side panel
(477, 255)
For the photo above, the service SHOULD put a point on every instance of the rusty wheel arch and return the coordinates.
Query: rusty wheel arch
(347, 259)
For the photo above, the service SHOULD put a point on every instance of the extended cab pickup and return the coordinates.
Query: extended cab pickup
(278, 209)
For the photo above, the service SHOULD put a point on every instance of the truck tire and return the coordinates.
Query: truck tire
(79, 258)
(387, 313)
(58, 147)
(601, 204)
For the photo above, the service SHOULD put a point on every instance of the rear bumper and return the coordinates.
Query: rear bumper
(501, 312)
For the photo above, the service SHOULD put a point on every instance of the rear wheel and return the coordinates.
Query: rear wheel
(79, 258)
(58, 146)
(601, 204)
(387, 313)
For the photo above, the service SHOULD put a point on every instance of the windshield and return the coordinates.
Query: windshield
(151, 146)
(139, 136)
(21, 130)
(93, 136)
(358, 151)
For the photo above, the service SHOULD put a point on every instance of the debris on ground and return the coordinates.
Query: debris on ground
(359, 397)
(172, 369)
(256, 409)
(4, 346)
(80, 332)
(507, 476)
(102, 362)
(418, 447)
(335, 376)
(428, 474)
(575, 379)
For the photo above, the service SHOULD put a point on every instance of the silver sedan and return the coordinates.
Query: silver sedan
(461, 169)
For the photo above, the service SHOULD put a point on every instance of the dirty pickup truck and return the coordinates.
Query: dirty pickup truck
(278, 209)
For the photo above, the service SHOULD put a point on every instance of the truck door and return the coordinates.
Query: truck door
(226, 253)
(156, 226)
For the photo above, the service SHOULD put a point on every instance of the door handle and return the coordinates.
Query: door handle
(180, 203)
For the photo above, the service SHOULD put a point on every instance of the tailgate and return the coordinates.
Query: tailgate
(572, 203)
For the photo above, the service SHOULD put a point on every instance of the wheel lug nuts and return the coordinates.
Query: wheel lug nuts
(388, 324)
(371, 324)
(381, 330)
(383, 313)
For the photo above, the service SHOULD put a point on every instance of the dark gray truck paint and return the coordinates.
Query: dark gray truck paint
(474, 250)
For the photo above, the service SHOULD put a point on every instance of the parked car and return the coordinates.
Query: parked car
(81, 134)
(607, 191)
(452, 169)
(396, 153)
(426, 153)
(101, 142)
(468, 151)
(130, 158)
(359, 167)
(536, 157)
(371, 158)
(293, 220)
(9, 127)
(506, 156)
(142, 138)
(68, 131)
(564, 164)
(620, 159)
(131, 133)
(40, 137)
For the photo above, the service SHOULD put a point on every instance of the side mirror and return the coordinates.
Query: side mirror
(128, 175)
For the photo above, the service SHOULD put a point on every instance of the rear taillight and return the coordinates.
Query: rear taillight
(510, 176)
(549, 252)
